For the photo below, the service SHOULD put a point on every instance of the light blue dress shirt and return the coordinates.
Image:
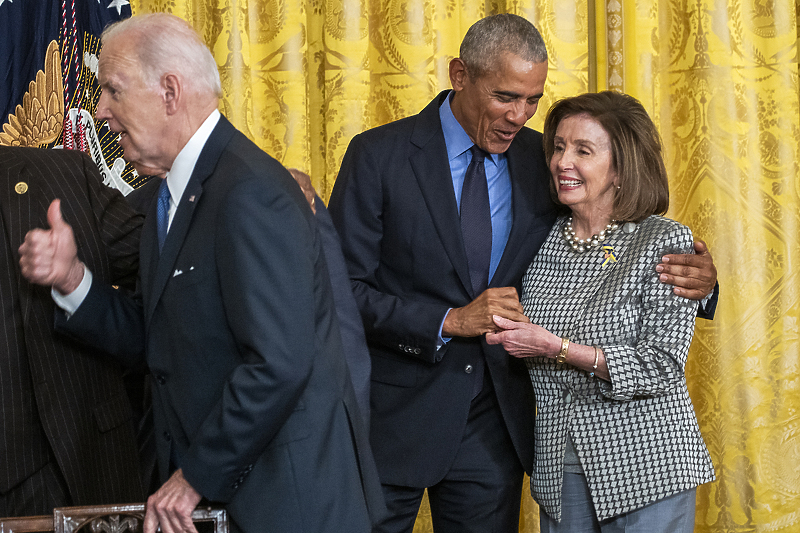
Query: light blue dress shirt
(497, 177)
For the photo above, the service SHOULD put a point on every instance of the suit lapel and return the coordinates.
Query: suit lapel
(162, 266)
(531, 206)
(522, 192)
(432, 171)
(164, 262)
(148, 256)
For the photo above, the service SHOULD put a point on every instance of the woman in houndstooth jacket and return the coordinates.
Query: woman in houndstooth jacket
(618, 447)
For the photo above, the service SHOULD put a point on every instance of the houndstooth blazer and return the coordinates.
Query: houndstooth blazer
(637, 437)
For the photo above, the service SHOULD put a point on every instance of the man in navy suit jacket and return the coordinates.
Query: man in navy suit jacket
(252, 401)
(449, 412)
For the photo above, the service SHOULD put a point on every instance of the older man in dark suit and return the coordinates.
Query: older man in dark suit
(440, 214)
(67, 436)
(252, 402)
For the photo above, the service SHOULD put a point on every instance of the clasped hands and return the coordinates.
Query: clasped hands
(498, 314)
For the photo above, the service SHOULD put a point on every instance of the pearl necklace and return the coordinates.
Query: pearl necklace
(581, 245)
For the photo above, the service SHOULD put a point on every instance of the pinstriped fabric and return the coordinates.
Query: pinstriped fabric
(80, 407)
(637, 437)
(44, 489)
(29, 451)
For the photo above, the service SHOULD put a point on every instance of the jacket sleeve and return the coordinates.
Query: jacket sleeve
(654, 363)
(710, 308)
(118, 224)
(408, 325)
(108, 320)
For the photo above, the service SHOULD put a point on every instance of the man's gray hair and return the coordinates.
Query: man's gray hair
(168, 44)
(493, 36)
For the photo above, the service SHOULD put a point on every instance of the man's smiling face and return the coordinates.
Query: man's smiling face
(492, 108)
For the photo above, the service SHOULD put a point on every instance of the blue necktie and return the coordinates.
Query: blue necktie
(476, 221)
(162, 213)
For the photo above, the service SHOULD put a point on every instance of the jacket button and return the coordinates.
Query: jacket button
(417, 351)
(468, 369)
(161, 379)
(167, 436)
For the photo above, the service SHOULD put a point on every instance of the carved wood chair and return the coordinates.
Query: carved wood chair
(127, 519)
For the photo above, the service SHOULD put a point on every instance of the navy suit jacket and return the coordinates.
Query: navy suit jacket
(251, 396)
(394, 207)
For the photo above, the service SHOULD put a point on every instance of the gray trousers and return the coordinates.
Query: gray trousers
(674, 514)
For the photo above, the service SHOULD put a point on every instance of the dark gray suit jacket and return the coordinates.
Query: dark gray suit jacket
(251, 397)
(55, 392)
(353, 340)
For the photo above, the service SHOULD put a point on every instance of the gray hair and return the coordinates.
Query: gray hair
(493, 36)
(168, 44)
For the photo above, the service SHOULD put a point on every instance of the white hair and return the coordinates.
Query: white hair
(167, 44)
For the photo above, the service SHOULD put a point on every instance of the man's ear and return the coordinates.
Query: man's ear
(171, 87)
(458, 74)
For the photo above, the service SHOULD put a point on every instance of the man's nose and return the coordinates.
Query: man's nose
(518, 113)
(521, 112)
(102, 109)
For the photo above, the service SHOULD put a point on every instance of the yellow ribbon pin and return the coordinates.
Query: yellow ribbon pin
(609, 255)
(21, 187)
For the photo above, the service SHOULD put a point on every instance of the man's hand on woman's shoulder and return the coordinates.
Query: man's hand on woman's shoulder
(692, 275)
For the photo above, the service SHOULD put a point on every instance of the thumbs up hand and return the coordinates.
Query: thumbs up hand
(49, 256)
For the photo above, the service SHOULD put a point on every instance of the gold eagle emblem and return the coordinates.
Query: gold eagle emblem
(38, 121)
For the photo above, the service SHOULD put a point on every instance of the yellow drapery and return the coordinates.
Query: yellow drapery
(721, 81)
(719, 77)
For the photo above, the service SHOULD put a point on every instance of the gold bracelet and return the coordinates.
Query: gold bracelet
(596, 358)
(562, 355)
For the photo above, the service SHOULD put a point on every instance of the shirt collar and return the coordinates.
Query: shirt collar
(183, 166)
(455, 138)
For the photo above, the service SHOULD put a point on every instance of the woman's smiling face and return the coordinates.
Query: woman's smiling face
(582, 165)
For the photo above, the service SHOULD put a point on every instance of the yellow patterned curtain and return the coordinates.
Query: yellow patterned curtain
(719, 77)
(301, 78)
(721, 80)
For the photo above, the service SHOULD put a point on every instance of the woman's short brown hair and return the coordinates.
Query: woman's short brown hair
(635, 150)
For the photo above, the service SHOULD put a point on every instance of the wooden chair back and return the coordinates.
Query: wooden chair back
(128, 519)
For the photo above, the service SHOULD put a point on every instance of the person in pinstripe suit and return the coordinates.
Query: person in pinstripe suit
(66, 436)
(617, 447)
